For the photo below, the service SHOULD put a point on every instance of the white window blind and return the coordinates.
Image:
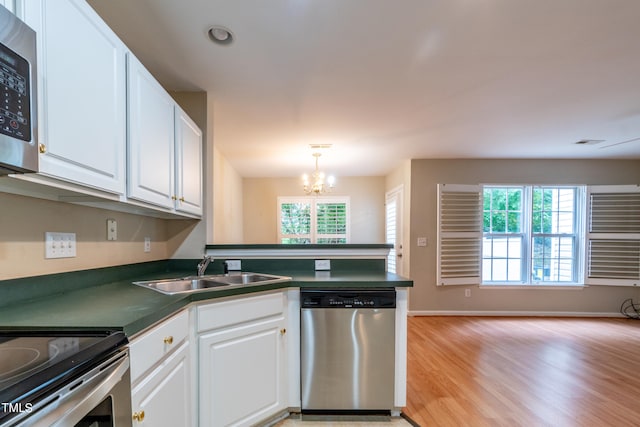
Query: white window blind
(613, 236)
(459, 234)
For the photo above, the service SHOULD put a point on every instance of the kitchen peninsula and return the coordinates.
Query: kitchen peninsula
(179, 337)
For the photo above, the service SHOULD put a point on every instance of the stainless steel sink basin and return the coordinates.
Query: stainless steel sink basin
(248, 278)
(210, 282)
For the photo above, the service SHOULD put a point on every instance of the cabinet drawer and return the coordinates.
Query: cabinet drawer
(149, 348)
(217, 315)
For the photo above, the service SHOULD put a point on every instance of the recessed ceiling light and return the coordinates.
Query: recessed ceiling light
(220, 35)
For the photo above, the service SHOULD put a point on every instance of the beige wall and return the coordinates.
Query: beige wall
(260, 206)
(25, 220)
(227, 202)
(426, 174)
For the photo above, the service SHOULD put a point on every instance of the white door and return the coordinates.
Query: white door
(393, 226)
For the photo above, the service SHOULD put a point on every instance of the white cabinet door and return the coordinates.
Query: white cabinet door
(243, 354)
(188, 164)
(163, 398)
(242, 374)
(151, 138)
(82, 92)
(9, 4)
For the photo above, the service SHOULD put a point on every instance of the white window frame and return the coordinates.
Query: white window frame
(314, 201)
(527, 236)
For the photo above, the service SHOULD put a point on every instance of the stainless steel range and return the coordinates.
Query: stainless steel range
(64, 379)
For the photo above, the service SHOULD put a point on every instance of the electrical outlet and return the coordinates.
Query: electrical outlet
(112, 229)
(147, 244)
(423, 241)
(234, 264)
(467, 293)
(323, 264)
(59, 245)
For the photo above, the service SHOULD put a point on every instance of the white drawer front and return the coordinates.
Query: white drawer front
(149, 348)
(217, 315)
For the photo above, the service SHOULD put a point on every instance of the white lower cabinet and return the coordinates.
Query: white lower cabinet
(162, 398)
(161, 375)
(242, 360)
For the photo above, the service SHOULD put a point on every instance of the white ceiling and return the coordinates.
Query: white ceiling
(386, 80)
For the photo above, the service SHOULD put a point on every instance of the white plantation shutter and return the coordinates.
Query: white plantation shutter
(391, 231)
(613, 235)
(303, 220)
(459, 234)
(331, 221)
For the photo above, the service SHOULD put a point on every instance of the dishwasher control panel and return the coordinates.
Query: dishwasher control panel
(348, 298)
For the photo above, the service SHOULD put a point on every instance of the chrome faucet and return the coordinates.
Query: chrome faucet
(202, 265)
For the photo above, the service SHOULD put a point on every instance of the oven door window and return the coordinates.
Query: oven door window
(100, 416)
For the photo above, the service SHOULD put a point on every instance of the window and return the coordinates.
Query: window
(511, 234)
(305, 220)
(532, 234)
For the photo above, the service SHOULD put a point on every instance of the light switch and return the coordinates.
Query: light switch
(422, 241)
(60, 245)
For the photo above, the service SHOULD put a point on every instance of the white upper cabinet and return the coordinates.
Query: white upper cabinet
(188, 164)
(165, 146)
(110, 135)
(13, 6)
(151, 162)
(81, 65)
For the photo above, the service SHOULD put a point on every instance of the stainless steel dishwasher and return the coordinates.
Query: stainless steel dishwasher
(347, 350)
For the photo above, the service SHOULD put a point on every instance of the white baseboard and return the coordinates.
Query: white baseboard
(511, 313)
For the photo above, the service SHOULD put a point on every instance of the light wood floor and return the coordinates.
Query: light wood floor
(479, 371)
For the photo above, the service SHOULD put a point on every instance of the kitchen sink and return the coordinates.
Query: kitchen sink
(248, 278)
(210, 282)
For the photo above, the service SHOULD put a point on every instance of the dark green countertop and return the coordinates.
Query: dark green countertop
(121, 305)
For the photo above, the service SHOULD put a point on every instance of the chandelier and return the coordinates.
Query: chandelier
(316, 183)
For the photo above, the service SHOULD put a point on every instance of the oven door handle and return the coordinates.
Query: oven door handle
(75, 401)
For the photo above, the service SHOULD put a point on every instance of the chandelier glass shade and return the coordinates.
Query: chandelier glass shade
(315, 184)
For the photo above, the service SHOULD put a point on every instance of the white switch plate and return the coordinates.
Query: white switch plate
(59, 245)
(147, 244)
(323, 264)
(112, 229)
(234, 264)
(422, 241)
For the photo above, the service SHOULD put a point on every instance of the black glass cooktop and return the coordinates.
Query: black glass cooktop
(34, 363)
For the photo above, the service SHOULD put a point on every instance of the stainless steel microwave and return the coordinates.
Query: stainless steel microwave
(18, 109)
